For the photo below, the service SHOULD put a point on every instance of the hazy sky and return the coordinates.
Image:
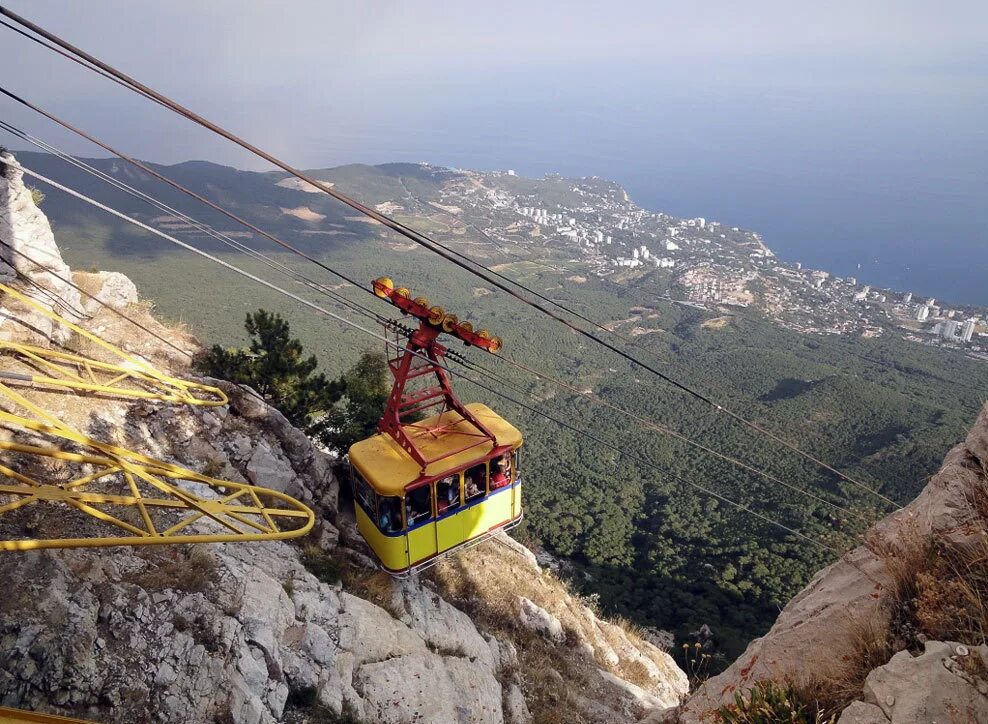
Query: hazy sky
(327, 82)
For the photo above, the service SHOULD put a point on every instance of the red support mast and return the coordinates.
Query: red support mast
(421, 381)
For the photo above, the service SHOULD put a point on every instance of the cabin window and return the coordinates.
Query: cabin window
(389, 514)
(475, 481)
(363, 493)
(418, 505)
(448, 494)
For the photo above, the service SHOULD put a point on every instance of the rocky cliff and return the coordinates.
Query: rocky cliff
(863, 634)
(276, 631)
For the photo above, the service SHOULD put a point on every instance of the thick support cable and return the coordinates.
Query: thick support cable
(427, 243)
(208, 230)
(353, 325)
(389, 323)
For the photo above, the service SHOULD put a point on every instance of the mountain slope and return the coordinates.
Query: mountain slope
(270, 631)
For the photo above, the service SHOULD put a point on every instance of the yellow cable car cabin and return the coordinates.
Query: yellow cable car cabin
(426, 485)
(410, 517)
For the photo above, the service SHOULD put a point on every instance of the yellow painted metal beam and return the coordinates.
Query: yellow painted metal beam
(130, 377)
(19, 716)
(133, 499)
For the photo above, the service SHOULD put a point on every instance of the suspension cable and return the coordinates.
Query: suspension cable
(428, 243)
(208, 230)
(103, 304)
(390, 323)
(393, 344)
(652, 425)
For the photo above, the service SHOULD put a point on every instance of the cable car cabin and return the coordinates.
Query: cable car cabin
(411, 517)
(439, 474)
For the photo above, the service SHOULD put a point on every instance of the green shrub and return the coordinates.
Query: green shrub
(769, 702)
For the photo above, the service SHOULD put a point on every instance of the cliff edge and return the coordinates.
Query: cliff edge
(894, 631)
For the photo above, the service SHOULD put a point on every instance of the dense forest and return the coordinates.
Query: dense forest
(650, 546)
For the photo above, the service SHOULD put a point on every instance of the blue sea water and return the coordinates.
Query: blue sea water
(890, 186)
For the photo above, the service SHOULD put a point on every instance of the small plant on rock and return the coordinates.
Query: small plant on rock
(769, 702)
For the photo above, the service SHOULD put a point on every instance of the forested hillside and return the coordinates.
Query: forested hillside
(654, 549)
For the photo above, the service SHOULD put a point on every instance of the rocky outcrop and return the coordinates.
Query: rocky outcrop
(815, 632)
(28, 249)
(947, 682)
(111, 288)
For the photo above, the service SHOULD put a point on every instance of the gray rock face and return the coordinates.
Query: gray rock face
(861, 713)
(29, 248)
(814, 631)
(945, 683)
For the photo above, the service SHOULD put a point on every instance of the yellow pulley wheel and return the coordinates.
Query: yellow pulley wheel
(495, 345)
(449, 322)
(466, 326)
(403, 292)
(381, 284)
(422, 301)
(484, 334)
(436, 316)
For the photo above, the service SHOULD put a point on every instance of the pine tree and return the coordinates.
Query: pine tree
(365, 390)
(275, 366)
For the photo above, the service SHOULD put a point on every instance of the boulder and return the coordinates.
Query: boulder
(115, 290)
(537, 620)
(936, 686)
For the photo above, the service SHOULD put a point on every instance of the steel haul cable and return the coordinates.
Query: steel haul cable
(224, 238)
(426, 242)
(349, 323)
(590, 396)
(103, 304)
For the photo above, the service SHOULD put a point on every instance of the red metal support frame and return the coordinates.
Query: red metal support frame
(422, 357)
(404, 405)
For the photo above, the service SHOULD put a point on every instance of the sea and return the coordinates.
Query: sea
(889, 185)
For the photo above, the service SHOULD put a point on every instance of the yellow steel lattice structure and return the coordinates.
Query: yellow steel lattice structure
(126, 498)
(142, 500)
(128, 377)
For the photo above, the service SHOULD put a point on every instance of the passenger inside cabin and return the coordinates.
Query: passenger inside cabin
(418, 506)
(448, 494)
(499, 476)
(389, 515)
(476, 481)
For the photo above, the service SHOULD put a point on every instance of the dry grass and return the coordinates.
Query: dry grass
(188, 568)
(558, 679)
(374, 586)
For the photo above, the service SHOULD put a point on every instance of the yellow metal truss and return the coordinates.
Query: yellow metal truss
(130, 377)
(145, 501)
(141, 500)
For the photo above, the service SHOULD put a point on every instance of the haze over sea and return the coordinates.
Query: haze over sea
(851, 135)
(870, 183)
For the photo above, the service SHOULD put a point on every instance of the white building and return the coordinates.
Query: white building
(950, 329)
(967, 331)
(923, 313)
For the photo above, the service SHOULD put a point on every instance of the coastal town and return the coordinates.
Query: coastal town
(591, 226)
